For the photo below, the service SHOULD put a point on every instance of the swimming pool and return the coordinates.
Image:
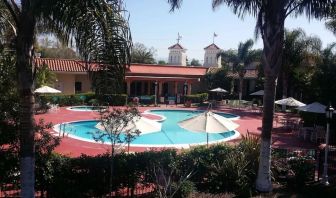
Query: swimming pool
(171, 135)
(85, 108)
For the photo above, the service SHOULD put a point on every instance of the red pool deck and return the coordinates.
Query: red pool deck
(248, 121)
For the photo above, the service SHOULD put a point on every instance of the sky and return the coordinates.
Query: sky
(153, 25)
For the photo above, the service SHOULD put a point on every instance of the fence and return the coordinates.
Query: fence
(139, 191)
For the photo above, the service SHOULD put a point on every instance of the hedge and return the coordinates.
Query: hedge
(219, 168)
(83, 98)
(114, 99)
(197, 98)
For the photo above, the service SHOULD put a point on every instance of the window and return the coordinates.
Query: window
(206, 60)
(78, 87)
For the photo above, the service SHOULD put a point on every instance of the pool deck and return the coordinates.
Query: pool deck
(250, 121)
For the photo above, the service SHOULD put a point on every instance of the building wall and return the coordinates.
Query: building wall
(66, 82)
(211, 60)
(86, 82)
(177, 57)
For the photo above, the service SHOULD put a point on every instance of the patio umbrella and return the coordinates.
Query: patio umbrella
(208, 122)
(289, 102)
(144, 125)
(257, 93)
(46, 89)
(218, 90)
(314, 107)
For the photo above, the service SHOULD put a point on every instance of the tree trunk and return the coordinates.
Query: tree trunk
(241, 81)
(284, 88)
(264, 182)
(272, 32)
(24, 65)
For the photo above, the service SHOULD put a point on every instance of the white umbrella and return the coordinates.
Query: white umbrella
(144, 125)
(258, 93)
(289, 102)
(208, 122)
(46, 89)
(314, 107)
(218, 90)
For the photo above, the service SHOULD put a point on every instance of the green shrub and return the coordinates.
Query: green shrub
(302, 168)
(67, 99)
(197, 98)
(113, 99)
(185, 189)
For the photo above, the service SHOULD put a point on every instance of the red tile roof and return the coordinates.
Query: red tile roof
(212, 47)
(66, 65)
(176, 46)
(165, 70)
(250, 74)
(61, 65)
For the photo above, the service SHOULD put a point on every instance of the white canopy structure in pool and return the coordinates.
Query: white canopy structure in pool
(144, 125)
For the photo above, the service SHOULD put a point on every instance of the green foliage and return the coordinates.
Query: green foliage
(85, 98)
(142, 54)
(302, 168)
(218, 78)
(197, 98)
(185, 189)
(44, 77)
(195, 62)
(294, 168)
(220, 168)
(114, 99)
(63, 52)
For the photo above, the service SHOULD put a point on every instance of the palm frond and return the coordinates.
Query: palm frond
(100, 31)
(331, 25)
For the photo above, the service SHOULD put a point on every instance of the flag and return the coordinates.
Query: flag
(215, 35)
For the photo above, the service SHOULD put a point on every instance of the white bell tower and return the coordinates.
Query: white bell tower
(210, 56)
(177, 54)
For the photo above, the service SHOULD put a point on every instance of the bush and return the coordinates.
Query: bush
(197, 98)
(67, 99)
(302, 170)
(84, 98)
(114, 99)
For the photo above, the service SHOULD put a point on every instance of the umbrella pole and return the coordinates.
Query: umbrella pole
(207, 140)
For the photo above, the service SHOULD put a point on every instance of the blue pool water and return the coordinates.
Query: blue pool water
(170, 135)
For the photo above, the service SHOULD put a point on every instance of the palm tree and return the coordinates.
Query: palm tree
(299, 51)
(240, 60)
(271, 16)
(101, 34)
(331, 24)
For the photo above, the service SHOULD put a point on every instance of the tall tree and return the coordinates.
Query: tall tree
(240, 59)
(101, 34)
(271, 16)
(142, 54)
(195, 62)
(331, 23)
(299, 51)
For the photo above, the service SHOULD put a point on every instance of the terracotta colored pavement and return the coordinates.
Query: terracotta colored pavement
(248, 121)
